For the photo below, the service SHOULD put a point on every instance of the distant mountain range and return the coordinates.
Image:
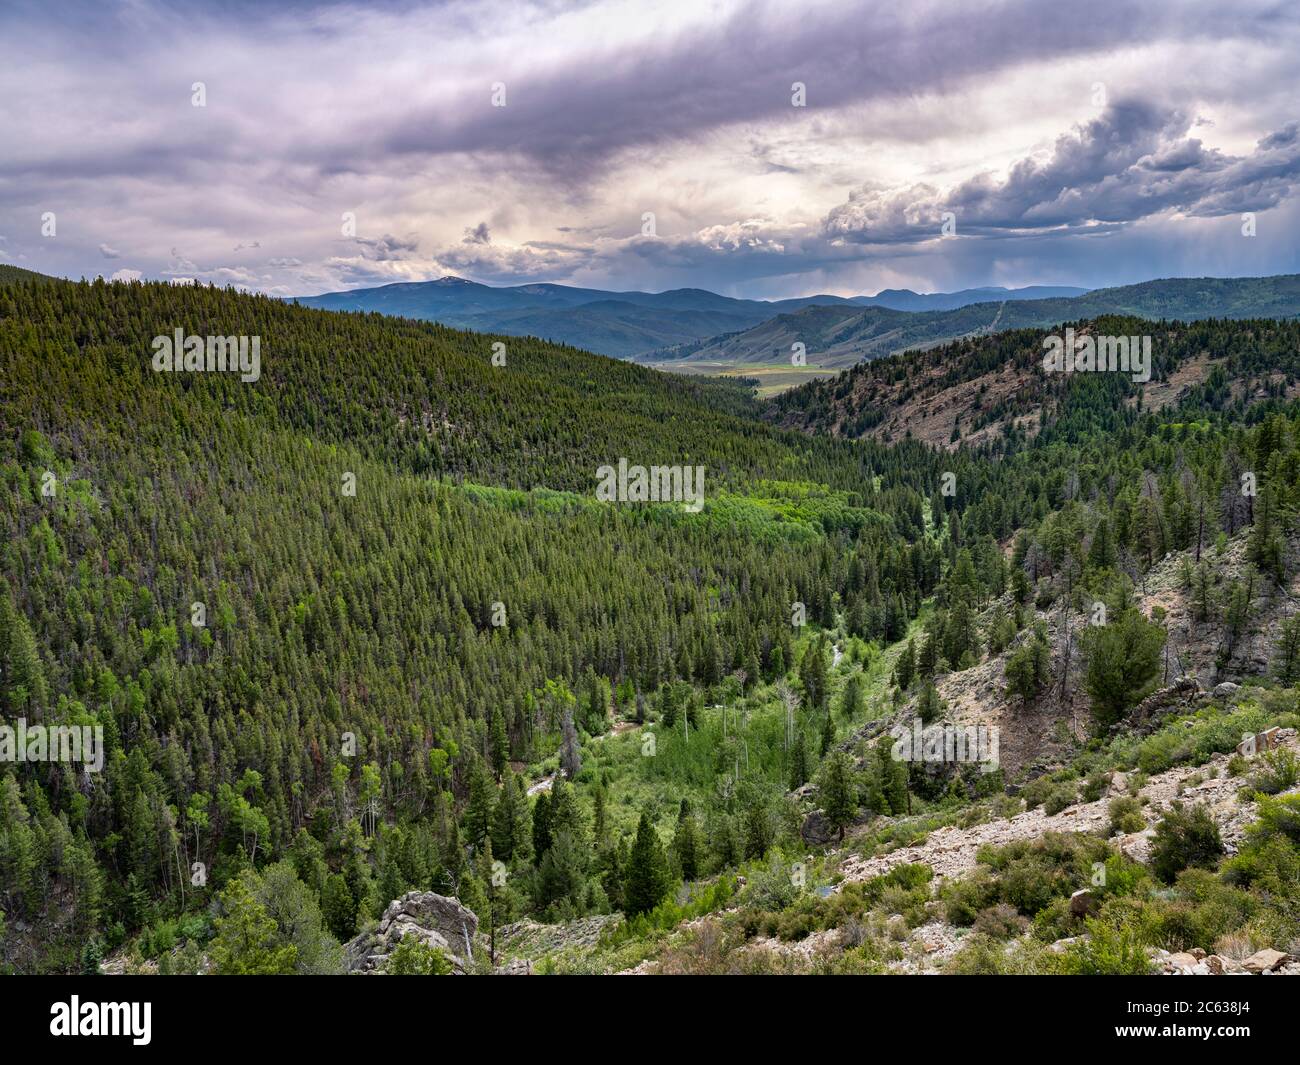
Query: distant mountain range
(625, 324)
(836, 337)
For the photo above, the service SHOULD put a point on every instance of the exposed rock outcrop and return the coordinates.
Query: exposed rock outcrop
(435, 920)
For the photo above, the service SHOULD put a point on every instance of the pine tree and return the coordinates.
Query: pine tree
(542, 825)
(598, 814)
(1122, 663)
(828, 733)
(798, 762)
(812, 673)
(1287, 663)
(510, 835)
(905, 668)
(686, 846)
(646, 881)
(929, 706)
(22, 679)
(247, 939)
(482, 798)
(836, 792)
(851, 700)
(570, 752)
(500, 747)
(338, 907)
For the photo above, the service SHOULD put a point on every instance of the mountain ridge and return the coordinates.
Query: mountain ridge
(624, 324)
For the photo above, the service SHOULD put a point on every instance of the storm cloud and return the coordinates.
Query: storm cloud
(232, 142)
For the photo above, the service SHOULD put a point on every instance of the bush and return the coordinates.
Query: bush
(1036, 791)
(158, 939)
(1125, 816)
(1205, 909)
(1062, 795)
(798, 922)
(1031, 883)
(965, 899)
(1122, 876)
(1184, 838)
(1278, 771)
(1055, 921)
(1096, 784)
(1000, 922)
(770, 887)
(411, 957)
(1279, 817)
(1108, 950)
(983, 956)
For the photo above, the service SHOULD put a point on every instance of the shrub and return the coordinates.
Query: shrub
(1062, 795)
(983, 956)
(770, 887)
(1036, 791)
(1279, 817)
(1108, 950)
(1125, 816)
(411, 957)
(1032, 882)
(1055, 921)
(1122, 876)
(1278, 770)
(1184, 838)
(964, 899)
(1096, 784)
(1000, 922)
(1205, 909)
(798, 921)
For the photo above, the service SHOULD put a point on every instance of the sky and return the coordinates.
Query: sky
(764, 150)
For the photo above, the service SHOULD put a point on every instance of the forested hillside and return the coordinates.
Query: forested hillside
(371, 614)
(361, 627)
(991, 390)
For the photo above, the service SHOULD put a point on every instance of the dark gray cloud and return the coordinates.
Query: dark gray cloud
(1134, 161)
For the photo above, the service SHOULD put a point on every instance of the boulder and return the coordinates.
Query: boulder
(1265, 961)
(817, 830)
(435, 920)
(1082, 903)
(1225, 690)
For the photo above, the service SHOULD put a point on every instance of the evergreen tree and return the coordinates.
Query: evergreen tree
(247, 939)
(646, 881)
(836, 793)
(686, 845)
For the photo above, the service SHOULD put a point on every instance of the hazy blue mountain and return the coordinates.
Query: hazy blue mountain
(839, 337)
(623, 324)
(904, 299)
